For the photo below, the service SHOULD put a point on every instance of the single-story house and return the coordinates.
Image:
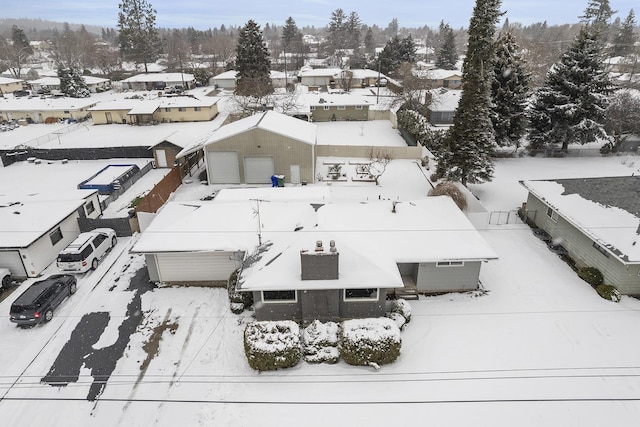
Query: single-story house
(94, 84)
(442, 106)
(164, 109)
(159, 81)
(425, 245)
(325, 107)
(318, 77)
(37, 110)
(253, 149)
(31, 240)
(451, 79)
(228, 79)
(597, 221)
(9, 85)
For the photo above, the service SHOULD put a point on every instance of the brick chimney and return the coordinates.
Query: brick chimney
(320, 264)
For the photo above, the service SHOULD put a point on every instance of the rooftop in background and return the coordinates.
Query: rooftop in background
(367, 133)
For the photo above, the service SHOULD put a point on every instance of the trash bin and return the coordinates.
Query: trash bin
(274, 181)
(280, 180)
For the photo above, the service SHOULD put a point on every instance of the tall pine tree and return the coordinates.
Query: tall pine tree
(509, 92)
(138, 38)
(624, 41)
(448, 53)
(471, 142)
(252, 63)
(569, 108)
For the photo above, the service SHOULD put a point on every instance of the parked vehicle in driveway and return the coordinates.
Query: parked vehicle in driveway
(5, 278)
(37, 303)
(86, 250)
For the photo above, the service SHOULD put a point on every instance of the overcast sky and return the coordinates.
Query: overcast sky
(203, 14)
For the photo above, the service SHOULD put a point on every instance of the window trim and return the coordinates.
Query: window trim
(326, 107)
(602, 250)
(167, 110)
(358, 107)
(56, 232)
(342, 107)
(89, 207)
(359, 299)
(277, 301)
(312, 108)
(449, 264)
(553, 215)
(182, 109)
(197, 109)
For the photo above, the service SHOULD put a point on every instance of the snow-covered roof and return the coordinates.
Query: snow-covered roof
(159, 77)
(606, 209)
(7, 80)
(46, 104)
(226, 75)
(148, 106)
(427, 230)
(55, 81)
(269, 121)
(346, 99)
(320, 72)
(374, 133)
(438, 74)
(145, 107)
(444, 99)
(25, 219)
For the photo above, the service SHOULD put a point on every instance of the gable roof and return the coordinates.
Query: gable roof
(606, 209)
(269, 121)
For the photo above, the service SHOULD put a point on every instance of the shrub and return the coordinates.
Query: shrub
(397, 318)
(591, 275)
(402, 307)
(370, 342)
(448, 188)
(235, 297)
(272, 345)
(608, 292)
(435, 177)
(320, 342)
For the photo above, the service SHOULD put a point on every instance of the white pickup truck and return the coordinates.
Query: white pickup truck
(5, 278)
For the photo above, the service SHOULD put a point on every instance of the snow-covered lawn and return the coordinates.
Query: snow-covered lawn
(538, 348)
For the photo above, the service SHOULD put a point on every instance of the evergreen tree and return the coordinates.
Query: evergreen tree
(509, 92)
(336, 32)
(569, 108)
(353, 31)
(448, 53)
(252, 63)
(395, 52)
(139, 39)
(71, 82)
(471, 140)
(598, 15)
(369, 42)
(293, 45)
(624, 41)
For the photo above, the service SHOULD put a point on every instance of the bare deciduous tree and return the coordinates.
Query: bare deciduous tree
(380, 159)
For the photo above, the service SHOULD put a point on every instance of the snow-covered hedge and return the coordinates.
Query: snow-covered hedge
(400, 312)
(272, 345)
(608, 292)
(370, 341)
(320, 342)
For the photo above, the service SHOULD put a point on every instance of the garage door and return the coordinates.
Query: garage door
(12, 261)
(258, 170)
(223, 167)
(196, 267)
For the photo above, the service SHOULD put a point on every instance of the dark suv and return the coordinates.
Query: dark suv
(37, 303)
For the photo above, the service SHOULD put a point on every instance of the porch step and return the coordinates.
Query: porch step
(407, 293)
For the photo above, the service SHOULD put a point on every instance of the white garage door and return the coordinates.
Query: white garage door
(12, 261)
(223, 167)
(258, 170)
(196, 267)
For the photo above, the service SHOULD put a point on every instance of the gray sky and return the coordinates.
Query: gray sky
(203, 14)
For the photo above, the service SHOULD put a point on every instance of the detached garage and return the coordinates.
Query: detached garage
(251, 150)
(196, 267)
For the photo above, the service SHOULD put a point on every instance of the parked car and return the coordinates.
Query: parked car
(5, 278)
(37, 303)
(20, 93)
(86, 250)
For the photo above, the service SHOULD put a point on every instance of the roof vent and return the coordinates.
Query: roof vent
(332, 246)
(319, 247)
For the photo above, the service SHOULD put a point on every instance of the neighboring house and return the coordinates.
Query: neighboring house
(451, 79)
(319, 77)
(597, 220)
(8, 85)
(164, 109)
(442, 106)
(325, 107)
(425, 245)
(37, 110)
(253, 149)
(228, 79)
(94, 84)
(34, 228)
(159, 81)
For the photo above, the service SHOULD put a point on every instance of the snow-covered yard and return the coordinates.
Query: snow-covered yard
(537, 348)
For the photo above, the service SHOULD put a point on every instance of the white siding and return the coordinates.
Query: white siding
(196, 267)
(12, 261)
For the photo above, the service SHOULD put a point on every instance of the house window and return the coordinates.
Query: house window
(197, 109)
(369, 294)
(325, 107)
(600, 249)
(279, 296)
(66, 111)
(55, 236)
(312, 108)
(450, 264)
(358, 107)
(89, 208)
(552, 214)
(167, 110)
(182, 109)
(341, 107)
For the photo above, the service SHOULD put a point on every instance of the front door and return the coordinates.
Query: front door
(295, 174)
(161, 158)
